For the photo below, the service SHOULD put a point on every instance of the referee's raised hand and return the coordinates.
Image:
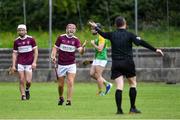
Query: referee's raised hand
(92, 23)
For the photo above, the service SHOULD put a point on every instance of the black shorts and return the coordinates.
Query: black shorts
(125, 67)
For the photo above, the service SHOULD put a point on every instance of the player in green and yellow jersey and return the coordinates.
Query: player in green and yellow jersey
(99, 63)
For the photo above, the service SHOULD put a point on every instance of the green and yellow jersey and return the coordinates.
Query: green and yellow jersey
(103, 54)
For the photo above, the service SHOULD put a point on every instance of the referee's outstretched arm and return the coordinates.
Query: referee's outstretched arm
(139, 41)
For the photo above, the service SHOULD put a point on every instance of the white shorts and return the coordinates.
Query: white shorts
(64, 69)
(27, 68)
(99, 62)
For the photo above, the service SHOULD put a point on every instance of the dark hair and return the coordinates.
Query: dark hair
(120, 21)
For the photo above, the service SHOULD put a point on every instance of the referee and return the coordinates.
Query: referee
(122, 60)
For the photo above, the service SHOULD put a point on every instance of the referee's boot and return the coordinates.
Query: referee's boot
(61, 101)
(119, 112)
(134, 111)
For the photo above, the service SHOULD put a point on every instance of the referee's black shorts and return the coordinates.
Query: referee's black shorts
(125, 67)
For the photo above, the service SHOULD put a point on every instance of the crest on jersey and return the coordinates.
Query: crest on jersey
(28, 42)
(73, 42)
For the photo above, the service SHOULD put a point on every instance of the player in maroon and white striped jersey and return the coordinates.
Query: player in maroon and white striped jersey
(66, 46)
(24, 56)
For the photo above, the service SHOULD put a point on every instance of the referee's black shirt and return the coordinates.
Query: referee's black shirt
(122, 43)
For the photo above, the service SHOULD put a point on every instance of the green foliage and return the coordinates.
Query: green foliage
(155, 100)
(151, 13)
(9, 14)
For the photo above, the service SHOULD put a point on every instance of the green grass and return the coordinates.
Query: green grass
(157, 37)
(155, 100)
(161, 38)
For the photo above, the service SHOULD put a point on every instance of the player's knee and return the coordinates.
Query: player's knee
(28, 82)
(98, 75)
(133, 84)
(92, 75)
(70, 83)
(61, 85)
(22, 81)
(100, 80)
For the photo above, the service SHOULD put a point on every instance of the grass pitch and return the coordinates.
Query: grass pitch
(155, 100)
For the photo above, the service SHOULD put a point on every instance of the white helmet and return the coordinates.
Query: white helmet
(22, 26)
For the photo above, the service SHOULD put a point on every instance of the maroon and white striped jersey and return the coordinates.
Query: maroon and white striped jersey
(25, 49)
(67, 48)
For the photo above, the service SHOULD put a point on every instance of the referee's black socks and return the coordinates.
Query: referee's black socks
(132, 95)
(118, 97)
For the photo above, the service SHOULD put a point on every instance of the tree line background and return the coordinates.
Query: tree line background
(151, 13)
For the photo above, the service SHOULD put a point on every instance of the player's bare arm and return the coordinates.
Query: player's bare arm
(14, 58)
(53, 54)
(34, 64)
(98, 47)
(82, 48)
